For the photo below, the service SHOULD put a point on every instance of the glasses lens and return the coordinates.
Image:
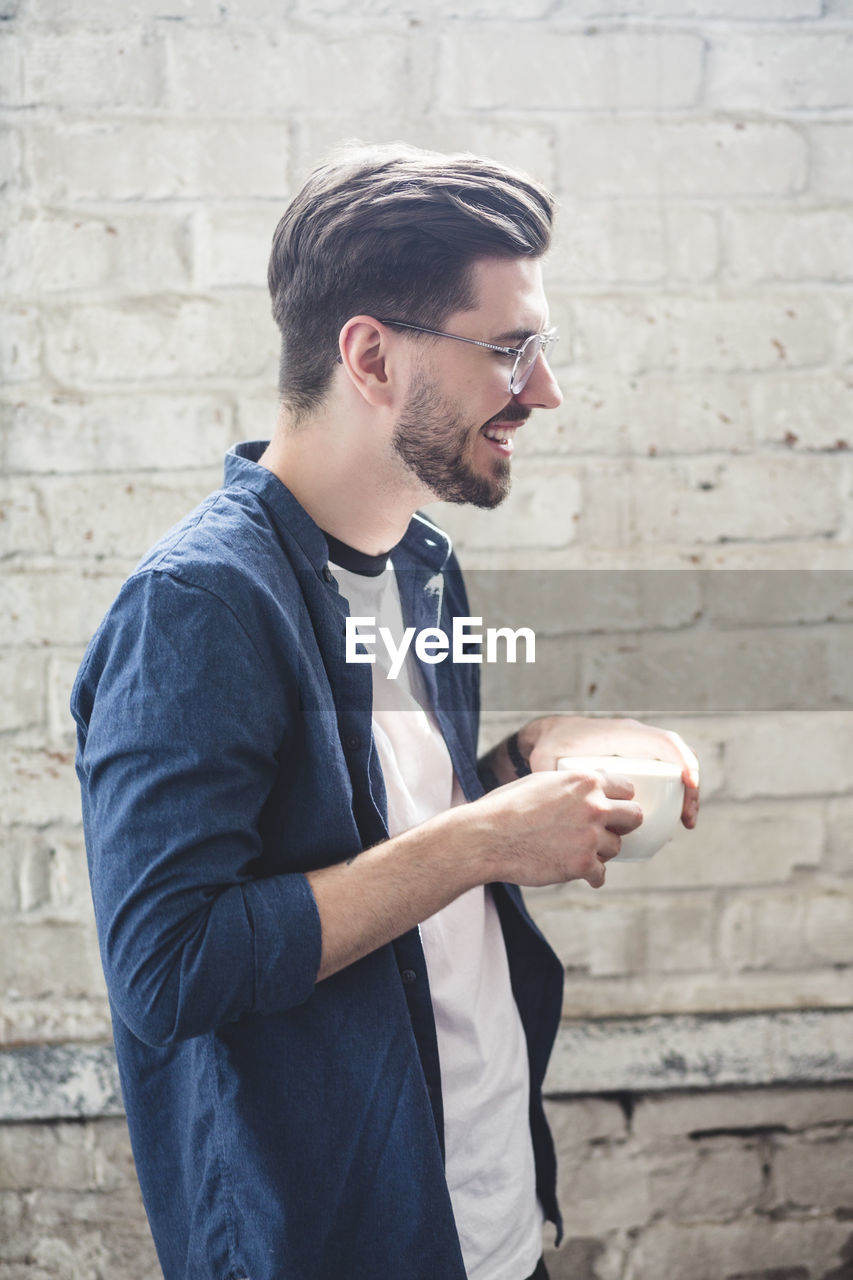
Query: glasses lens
(527, 356)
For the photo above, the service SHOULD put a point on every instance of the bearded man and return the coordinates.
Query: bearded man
(332, 1011)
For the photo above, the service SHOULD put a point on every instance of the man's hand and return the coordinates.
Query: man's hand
(543, 741)
(544, 829)
(552, 827)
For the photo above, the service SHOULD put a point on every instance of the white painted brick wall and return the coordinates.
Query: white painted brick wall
(831, 160)
(54, 605)
(796, 928)
(166, 338)
(711, 499)
(809, 244)
(634, 243)
(654, 414)
(47, 255)
(665, 158)
(702, 276)
(138, 431)
(499, 67)
(124, 509)
(807, 412)
(694, 1186)
(803, 72)
(267, 73)
(122, 70)
(20, 344)
(110, 158)
(102, 13)
(758, 334)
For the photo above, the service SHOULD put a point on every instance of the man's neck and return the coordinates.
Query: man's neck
(356, 498)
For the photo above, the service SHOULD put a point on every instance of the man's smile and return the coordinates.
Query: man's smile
(499, 431)
(500, 438)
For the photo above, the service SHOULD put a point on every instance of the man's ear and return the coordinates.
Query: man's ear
(364, 353)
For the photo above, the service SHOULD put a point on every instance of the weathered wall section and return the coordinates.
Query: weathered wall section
(726, 1187)
(702, 280)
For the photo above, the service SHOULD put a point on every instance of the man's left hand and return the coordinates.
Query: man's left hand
(543, 741)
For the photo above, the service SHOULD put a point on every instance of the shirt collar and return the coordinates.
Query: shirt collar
(357, 561)
(423, 540)
(242, 470)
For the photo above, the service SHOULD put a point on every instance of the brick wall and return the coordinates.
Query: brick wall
(730, 1186)
(702, 279)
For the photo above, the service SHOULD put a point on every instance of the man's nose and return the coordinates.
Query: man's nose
(542, 390)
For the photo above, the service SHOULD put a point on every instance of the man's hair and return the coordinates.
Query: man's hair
(390, 231)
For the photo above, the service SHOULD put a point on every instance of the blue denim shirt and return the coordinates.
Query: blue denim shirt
(282, 1129)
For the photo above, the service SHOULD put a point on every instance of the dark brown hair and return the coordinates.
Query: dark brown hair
(390, 231)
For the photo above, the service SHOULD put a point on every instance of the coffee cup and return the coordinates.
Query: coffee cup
(658, 790)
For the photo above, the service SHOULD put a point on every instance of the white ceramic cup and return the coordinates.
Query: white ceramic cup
(658, 790)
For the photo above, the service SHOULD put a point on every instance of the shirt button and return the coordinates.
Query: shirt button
(327, 573)
(353, 742)
(409, 976)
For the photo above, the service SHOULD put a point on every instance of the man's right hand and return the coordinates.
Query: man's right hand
(547, 828)
(555, 826)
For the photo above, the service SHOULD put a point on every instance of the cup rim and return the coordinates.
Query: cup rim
(639, 765)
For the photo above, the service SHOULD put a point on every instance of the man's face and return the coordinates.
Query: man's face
(457, 427)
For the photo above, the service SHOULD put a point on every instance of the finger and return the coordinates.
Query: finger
(595, 878)
(690, 810)
(688, 759)
(617, 787)
(609, 846)
(623, 816)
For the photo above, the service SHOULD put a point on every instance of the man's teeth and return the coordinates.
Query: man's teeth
(500, 436)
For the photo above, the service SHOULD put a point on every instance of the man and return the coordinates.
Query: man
(332, 1012)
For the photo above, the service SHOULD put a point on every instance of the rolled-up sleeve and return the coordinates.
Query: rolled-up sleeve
(182, 728)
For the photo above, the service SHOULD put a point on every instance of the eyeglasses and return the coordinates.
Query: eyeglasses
(525, 356)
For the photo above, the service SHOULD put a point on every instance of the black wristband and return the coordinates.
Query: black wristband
(521, 766)
(488, 777)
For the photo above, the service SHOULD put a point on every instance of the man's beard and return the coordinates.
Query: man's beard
(433, 441)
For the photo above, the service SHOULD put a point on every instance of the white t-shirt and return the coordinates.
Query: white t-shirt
(482, 1050)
